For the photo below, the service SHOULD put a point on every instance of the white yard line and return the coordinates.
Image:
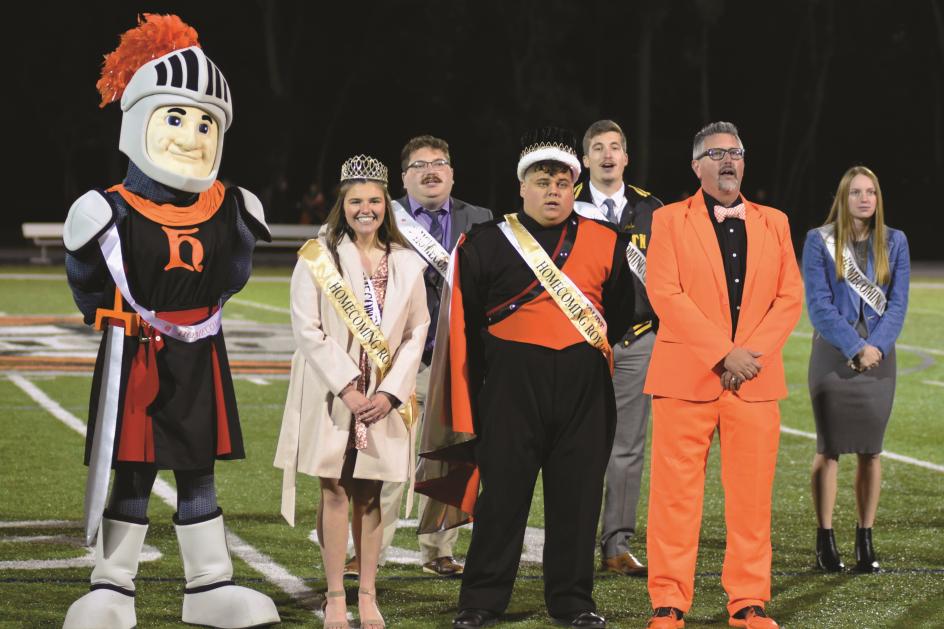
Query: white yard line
(262, 382)
(901, 458)
(148, 553)
(258, 561)
(40, 524)
(936, 383)
(255, 304)
(49, 404)
(32, 276)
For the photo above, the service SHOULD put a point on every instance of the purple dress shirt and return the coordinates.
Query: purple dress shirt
(445, 218)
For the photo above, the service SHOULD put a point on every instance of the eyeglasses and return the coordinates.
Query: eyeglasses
(717, 155)
(436, 164)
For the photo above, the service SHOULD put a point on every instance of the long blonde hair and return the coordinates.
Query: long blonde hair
(841, 218)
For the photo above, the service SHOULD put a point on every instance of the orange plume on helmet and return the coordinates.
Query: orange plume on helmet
(154, 36)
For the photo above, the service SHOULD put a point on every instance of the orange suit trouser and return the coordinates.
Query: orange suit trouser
(682, 432)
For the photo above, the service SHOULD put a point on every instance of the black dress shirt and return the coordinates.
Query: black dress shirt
(732, 240)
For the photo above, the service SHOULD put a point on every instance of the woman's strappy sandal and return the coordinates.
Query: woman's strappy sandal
(334, 624)
(371, 623)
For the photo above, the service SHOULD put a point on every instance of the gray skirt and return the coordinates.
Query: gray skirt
(851, 409)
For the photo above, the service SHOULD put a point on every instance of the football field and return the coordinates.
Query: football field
(46, 356)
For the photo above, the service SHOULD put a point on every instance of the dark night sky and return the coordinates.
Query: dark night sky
(814, 86)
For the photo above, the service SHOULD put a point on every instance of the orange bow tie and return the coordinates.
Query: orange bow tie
(722, 213)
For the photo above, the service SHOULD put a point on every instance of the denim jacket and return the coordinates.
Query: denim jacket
(833, 306)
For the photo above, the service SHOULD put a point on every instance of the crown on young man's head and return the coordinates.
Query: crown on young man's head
(548, 144)
(548, 137)
(364, 167)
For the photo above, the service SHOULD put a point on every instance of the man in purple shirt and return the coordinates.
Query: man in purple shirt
(428, 179)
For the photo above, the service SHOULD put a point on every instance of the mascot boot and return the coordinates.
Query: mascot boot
(110, 604)
(210, 597)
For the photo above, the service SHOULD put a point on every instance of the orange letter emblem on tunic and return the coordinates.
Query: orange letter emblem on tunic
(176, 237)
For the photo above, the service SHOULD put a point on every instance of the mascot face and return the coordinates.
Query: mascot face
(183, 140)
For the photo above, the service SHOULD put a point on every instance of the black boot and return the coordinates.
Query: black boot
(864, 551)
(827, 555)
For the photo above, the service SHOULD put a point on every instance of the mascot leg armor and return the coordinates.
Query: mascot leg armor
(210, 597)
(110, 604)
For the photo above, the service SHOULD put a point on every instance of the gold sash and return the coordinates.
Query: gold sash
(354, 315)
(580, 310)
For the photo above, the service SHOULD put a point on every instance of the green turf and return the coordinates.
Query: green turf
(42, 477)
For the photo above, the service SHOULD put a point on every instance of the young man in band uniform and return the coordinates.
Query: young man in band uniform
(538, 396)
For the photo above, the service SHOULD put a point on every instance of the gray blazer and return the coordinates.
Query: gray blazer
(463, 216)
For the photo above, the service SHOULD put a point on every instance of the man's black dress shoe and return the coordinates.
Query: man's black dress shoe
(589, 620)
(470, 618)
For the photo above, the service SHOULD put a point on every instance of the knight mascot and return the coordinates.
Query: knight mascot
(150, 262)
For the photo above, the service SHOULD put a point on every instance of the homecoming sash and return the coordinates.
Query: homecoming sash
(865, 288)
(353, 314)
(111, 250)
(634, 255)
(421, 240)
(579, 310)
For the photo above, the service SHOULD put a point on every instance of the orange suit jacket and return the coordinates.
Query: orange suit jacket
(686, 284)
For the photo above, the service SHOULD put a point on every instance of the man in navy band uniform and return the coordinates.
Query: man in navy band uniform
(630, 209)
(428, 179)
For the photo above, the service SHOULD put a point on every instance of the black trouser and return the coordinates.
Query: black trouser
(548, 410)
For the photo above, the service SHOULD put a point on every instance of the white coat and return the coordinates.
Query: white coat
(316, 423)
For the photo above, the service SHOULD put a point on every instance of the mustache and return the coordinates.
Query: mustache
(431, 178)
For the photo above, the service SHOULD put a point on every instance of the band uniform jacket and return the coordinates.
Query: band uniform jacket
(316, 423)
(688, 290)
(635, 223)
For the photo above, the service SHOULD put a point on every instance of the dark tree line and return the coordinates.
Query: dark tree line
(814, 85)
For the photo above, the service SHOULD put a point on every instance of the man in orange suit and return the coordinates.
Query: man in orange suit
(723, 280)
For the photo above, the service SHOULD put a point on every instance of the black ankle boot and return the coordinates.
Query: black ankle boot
(827, 555)
(864, 551)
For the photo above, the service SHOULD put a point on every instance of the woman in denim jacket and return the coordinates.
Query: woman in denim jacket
(856, 271)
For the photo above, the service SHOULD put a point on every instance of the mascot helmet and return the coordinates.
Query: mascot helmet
(160, 64)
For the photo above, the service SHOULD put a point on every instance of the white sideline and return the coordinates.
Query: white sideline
(261, 563)
(264, 279)
(901, 458)
(255, 304)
